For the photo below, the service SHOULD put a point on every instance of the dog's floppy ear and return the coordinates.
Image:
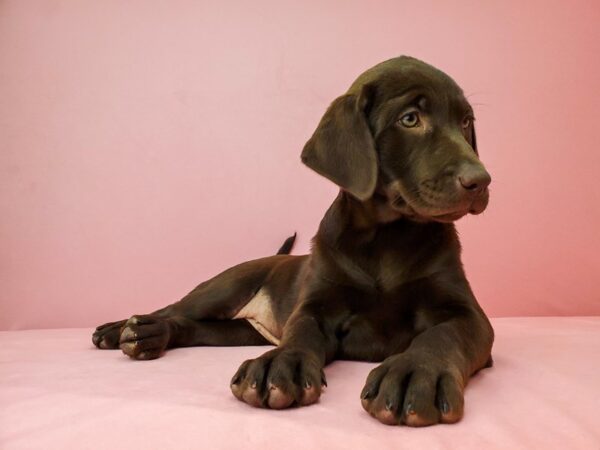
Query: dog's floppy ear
(342, 147)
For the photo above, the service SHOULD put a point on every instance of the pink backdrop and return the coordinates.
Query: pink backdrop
(147, 145)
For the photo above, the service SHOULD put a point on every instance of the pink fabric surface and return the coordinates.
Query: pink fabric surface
(58, 392)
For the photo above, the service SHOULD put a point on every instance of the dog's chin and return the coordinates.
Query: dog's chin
(443, 213)
(449, 217)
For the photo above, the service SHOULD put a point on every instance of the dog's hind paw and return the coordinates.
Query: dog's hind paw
(144, 337)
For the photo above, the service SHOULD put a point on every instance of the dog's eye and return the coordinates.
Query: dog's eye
(467, 121)
(410, 120)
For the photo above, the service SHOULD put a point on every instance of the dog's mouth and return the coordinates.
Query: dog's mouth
(421, 210)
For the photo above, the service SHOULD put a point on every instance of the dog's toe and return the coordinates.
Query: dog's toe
(279, 379)
(407, 391)
(107, 336)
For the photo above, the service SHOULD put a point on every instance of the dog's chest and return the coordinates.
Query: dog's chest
(393, 259)
(376, 327)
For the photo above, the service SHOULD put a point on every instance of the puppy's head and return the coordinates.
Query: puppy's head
(403, 133)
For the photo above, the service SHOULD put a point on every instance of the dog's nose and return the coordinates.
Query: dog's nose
(474, 179)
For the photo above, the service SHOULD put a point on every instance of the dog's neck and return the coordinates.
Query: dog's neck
(360, 221)
(356, 237)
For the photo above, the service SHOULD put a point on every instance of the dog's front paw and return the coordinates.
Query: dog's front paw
(144, 337)
(279, 379)
(415, 391)
(107, 336)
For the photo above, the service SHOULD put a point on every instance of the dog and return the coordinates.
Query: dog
(384, 280)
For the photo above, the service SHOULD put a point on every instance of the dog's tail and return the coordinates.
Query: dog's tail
(287, 246)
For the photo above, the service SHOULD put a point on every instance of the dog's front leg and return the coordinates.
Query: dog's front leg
(291, 374)
(424, 384)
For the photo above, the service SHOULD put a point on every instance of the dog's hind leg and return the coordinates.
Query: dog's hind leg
(146, 337)
(203, 317)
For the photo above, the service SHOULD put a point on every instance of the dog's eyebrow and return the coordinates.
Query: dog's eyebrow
(407, 96)
(463, 108)
(460, 105)
(411, 96)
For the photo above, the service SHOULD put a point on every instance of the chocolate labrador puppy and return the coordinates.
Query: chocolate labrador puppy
(384, 281)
